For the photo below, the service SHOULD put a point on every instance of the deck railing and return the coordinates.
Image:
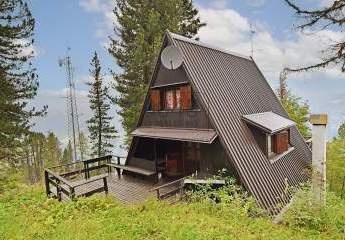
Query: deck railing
(174, 188)
(65, 179)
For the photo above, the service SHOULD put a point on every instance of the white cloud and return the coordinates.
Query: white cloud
(105, 8)
(93, 5)
(221, 4)
(326, 3)
(227, 29)
(256, 3)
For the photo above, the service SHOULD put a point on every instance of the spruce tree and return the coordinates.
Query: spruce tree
(101, 131)
(298, 111)
(53, 154)
(140, 28)
(67, 153)
(18, 79)
(83, 145)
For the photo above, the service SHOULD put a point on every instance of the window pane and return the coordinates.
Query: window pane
(169, 99)
(178, 99)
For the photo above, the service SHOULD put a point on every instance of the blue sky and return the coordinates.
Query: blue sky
(85, 25)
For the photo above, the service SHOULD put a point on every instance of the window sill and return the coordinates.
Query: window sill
(275, 158)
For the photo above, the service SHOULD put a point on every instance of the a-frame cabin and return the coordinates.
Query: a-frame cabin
(216, 111)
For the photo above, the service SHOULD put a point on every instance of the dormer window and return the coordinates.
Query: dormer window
(272, 133)
(278, 143)
(171, 98)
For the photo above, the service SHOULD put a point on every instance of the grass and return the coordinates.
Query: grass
(25, 213)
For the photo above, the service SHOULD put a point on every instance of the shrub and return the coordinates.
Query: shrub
(306, 213)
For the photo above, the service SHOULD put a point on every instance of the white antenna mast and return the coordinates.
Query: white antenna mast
(73, 121)
(252, 32)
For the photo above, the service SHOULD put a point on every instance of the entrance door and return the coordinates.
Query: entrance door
(178, 158)
(170, 157)
(191, 157)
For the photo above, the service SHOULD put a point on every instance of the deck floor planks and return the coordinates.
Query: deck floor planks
(128, 189)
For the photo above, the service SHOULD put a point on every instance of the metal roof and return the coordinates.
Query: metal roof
(269, 121)
(229, 86)
(189, 135)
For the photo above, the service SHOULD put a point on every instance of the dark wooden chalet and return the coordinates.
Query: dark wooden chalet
(206, 110)
(216, 111)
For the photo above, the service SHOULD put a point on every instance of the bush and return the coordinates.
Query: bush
(7, 177)
(306, 213)
(231, 196)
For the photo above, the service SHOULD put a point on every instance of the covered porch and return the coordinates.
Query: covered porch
(171, 153)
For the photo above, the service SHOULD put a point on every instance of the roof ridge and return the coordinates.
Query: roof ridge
(206, 45)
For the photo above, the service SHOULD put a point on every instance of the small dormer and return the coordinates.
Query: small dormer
(272, 133)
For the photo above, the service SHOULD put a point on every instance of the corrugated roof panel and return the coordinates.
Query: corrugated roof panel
(269, 121)
(190, 135)
(230, 86)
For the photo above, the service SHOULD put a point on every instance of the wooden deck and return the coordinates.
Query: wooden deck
(128, 189)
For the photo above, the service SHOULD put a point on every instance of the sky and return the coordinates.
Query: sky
(85, 26)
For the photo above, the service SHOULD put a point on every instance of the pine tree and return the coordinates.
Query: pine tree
(341, 131)
(18, 79)
(101, 131)
(83, 145)
(298, 111)
(53, 154)
(34, 152)
(67, 154)
(141, 25)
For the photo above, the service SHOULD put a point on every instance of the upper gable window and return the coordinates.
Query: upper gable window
(171, 98)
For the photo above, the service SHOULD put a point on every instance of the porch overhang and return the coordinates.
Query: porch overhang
(178, 134)
(269, 122)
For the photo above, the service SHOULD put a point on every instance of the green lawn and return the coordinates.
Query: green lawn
(26, 214)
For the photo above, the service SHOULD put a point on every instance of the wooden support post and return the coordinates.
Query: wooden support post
(109, 167)
(118, 171)
(105, 183)
(156, 159)
(158, 194)
(343, 188)
(181, 190)
(58, 190)
(86, 167)
(46, 179)
(72, 193)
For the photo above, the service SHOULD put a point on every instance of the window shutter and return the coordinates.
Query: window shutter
(282, 142)
(155, 100)
(186, 97)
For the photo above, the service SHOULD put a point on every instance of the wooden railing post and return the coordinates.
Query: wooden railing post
(58, 190)
(343, 188)
(72, 193)
(105, 183)
(86, 169)
(118, 160)
(181, 190)
(46, 179)
(109, 167)
(158, 194)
